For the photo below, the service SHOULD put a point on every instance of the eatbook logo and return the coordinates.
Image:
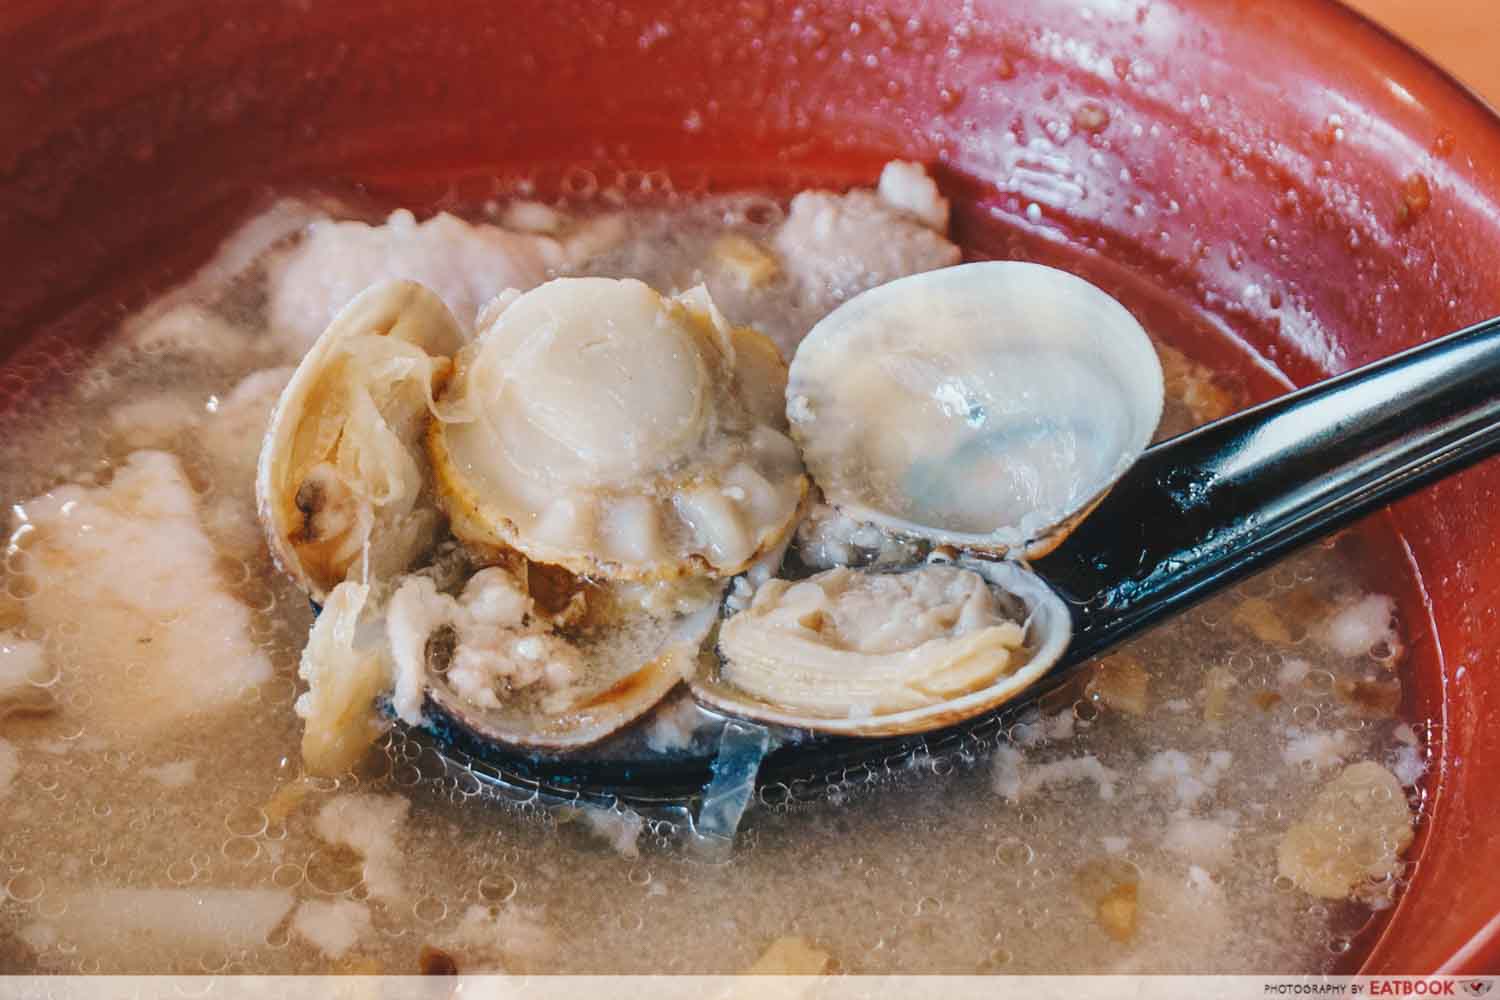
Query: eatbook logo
(1477, 987)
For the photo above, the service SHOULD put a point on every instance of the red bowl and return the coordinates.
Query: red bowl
(1285, 173)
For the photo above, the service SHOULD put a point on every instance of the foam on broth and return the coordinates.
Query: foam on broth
(992, 860)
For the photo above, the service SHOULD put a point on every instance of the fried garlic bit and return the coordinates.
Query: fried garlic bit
(872, 653)
(790, 956)
(751, 264)
(1259, 617)
(1111, 886)
(1352, 835)
(1122, 683)
(1218, 684)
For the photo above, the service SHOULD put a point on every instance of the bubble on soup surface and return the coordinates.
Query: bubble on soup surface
(25, 888)
(334, 870)
(497, 888)
(246, 821)
(429, 909)
(25, 678)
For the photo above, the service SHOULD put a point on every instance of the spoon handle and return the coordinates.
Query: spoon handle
(1206, 508)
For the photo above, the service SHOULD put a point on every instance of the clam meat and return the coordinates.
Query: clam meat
(881, 653)
(652, 415)
(602, 427)
(347, 669)
(982, 409)
(611, 461)
(983, 406)
(495, 657)
(342, 485)
(498, 666)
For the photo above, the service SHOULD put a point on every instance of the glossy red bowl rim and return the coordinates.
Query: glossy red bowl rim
(31, 30)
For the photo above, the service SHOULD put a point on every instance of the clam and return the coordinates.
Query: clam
(511, 652)
(877, 653)
(599, 426)
(986, 406)
(983, 409)
(503, 668)
(346, 668)
(628, 453)
(341, 484)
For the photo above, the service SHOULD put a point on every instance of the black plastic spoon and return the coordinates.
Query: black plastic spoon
(1194, 515)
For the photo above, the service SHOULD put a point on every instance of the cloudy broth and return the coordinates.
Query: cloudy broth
(1132, 821)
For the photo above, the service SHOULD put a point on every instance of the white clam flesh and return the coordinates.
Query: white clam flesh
(342, 484)
(510, 655)
(612, 461)
(507, 670)
(346, 668)
(985, 406)
(872, 653)
(602, 427)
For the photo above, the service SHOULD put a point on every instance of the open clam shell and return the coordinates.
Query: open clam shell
(630, 671)
(341, 484)
(873, 653)
(599, 426)
(987, 406)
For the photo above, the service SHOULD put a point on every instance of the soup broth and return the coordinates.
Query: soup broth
(1160, 813)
